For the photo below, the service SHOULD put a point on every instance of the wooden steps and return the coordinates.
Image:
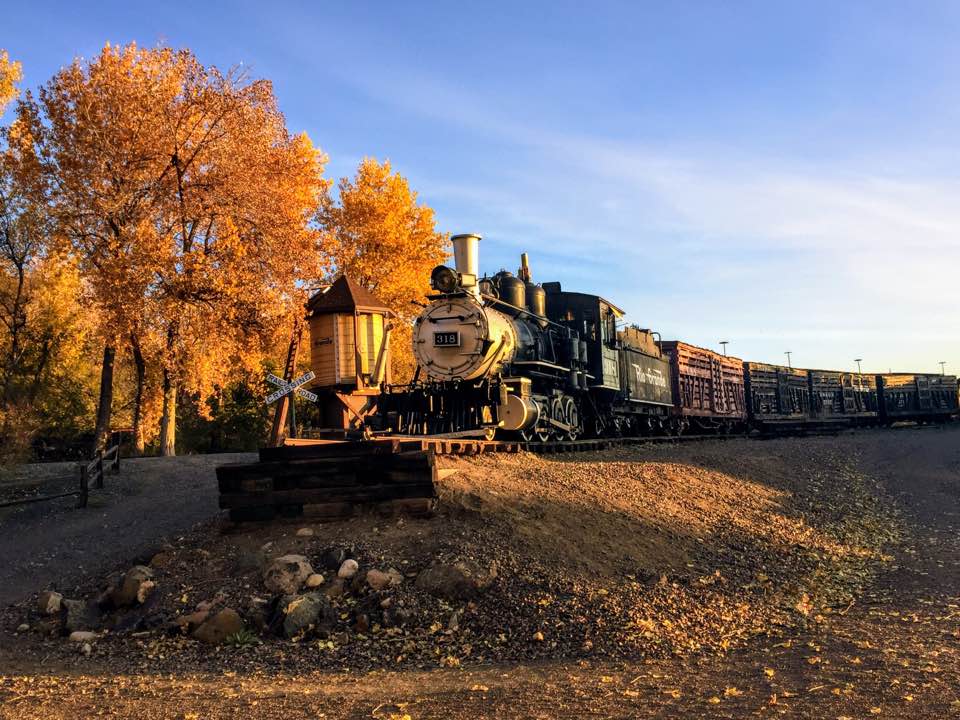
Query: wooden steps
(328, 480)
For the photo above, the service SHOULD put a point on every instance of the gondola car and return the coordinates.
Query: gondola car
(708, 389)
(778, 397)
(917, 397)
(843, 397)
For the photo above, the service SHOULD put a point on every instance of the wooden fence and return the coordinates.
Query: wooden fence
(91, 475)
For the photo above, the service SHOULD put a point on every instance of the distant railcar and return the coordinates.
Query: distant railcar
(916, 397)
(837, 396)
(708, 388)
(776, 395)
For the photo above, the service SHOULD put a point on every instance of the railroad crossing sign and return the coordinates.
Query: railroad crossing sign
(292, 386)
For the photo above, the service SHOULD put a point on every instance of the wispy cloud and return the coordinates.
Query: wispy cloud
(833, 257)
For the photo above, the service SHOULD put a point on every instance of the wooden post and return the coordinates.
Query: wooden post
(84, 490)
(283, 404)
(99, 483)
(115, 465)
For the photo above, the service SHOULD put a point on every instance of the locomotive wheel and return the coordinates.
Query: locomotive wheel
(489, 433)
(571, 416)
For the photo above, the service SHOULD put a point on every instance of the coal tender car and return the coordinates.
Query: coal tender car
(501, 354)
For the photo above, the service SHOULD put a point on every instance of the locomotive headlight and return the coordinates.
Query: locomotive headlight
(444, 279)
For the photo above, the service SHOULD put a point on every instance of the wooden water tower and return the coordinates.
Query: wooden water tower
(349, 352)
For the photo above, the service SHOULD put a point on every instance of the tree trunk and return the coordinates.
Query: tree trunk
(168, 423)
(105, 403)
(141, 367)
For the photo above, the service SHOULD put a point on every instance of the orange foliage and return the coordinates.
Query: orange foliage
(382, 238)
(186, 202)
(10, 75)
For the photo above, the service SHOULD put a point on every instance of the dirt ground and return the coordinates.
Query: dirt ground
(889, 651)
(152, 499)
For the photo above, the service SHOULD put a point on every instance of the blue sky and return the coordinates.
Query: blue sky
(785, 176)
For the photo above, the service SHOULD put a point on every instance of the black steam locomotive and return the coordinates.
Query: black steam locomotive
(503, 354)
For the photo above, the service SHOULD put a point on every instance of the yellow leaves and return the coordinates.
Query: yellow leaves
(804, 606)
(876, 710)
(732, 692)
(713, 700)
(10, 74)
(673, 692)
(450, 661)
(382, 238)
(479, 688)
(814, 660)
(632, 693)
(769, 672)
(538, 636)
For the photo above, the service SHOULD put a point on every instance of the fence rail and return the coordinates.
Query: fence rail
(91, 475)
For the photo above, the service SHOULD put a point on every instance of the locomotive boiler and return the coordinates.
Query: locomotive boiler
(502, 354)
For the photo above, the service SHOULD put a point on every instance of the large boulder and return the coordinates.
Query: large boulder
(219, 627)
(79, 615)
(459, 581)
(285, 575)
(136, 586)
(306, 613)
(49, 602)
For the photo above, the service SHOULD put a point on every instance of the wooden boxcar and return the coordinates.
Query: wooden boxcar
(776, 395)
(841, 396)
(708, 388)
(916, 396)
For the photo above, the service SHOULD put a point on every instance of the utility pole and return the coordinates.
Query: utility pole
(788, 354)
(943, 367)
(724, 343)
(857, 361)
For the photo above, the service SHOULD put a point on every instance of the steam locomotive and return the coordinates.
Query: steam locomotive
(502, 355)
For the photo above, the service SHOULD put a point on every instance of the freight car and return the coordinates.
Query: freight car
(843, 397)
(916, 397)
(777, 396)
(708, 389)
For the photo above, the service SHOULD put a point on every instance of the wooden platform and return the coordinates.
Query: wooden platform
(328, 480)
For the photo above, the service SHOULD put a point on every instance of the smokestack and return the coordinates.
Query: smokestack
(524, 272)
(466, 260)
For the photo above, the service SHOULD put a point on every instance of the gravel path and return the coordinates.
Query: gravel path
(53, 544)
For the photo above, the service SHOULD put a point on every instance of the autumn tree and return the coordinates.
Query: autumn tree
(381, 237)
(97, 131)
(186, 202)
(43, 329)
(234, 222)
(10, 75)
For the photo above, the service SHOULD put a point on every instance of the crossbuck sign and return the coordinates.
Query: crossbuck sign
(292, 386)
